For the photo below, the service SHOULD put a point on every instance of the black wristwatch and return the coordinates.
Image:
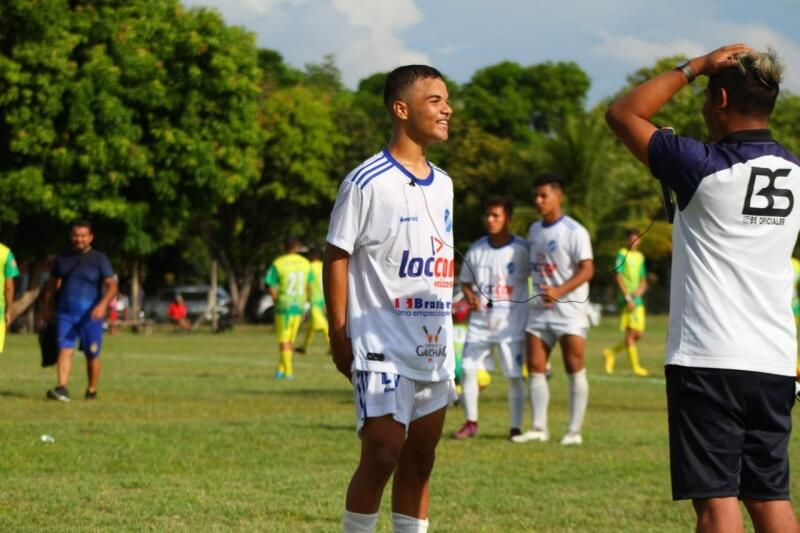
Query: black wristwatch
(687, 71)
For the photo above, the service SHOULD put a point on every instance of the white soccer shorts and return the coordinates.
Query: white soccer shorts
(477, 356)
(550, 333)
(383, 393)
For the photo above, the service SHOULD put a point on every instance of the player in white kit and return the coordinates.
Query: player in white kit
(388, 288)
(561, 267)
(494, 277)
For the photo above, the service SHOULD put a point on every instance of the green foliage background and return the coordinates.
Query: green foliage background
(178, 137)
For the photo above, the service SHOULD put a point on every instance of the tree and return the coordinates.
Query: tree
(512, 101)
(137, 114)
(295, 191)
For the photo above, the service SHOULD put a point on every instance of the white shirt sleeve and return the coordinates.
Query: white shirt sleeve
(466, 275)
(582, 250)
(348, 217)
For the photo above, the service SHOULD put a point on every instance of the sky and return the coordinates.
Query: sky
(608, 39)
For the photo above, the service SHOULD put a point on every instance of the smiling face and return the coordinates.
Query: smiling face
(81, 238)
(425, 110)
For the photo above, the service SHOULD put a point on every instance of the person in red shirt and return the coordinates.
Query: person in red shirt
(177, 313)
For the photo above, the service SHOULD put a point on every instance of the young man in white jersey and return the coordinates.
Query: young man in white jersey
(561, 267)
(388, 281)
(494, 278)
(730, 362)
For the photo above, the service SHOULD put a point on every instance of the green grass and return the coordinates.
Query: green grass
(192, 433)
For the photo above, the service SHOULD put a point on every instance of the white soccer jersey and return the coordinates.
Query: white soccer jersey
(398, 231)
(556, 250)
(732, 240)
(501, 273)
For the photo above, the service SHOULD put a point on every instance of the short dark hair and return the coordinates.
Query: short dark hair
(752, 84)
(290, 242)
(81, 223)
(502, 201)
(401, 78)
(632, 231)
(549, 178)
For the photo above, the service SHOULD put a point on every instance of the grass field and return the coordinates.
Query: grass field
(192, 433)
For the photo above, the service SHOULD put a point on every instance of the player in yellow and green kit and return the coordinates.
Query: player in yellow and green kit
(286, 280)
(631, 280)
(8, 271)
(318, 320)
(796, 298)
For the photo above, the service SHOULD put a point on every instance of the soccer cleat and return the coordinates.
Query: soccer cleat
(514, 432)
(641, 372)
(608, 360)
(534, 434)
(469, 429)
(290, 377)
(279, 375)
(301, 351)
(59, 393)
(90, 395)
(572, 439)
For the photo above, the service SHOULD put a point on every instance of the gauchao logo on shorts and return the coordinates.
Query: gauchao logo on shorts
(431, 347)
(441, 269)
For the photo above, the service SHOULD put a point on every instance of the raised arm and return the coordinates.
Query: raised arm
(629, 116)
(334, 282)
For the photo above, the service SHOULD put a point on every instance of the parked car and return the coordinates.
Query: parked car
(194, 296)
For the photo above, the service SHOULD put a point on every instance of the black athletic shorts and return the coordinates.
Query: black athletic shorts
(729, 433)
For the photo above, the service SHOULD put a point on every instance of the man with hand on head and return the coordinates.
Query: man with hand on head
(388, 279)
(731, 348)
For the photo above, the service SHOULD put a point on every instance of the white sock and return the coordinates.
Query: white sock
(540, 397)
(469, 393)
(407, 524)
(578, 398)
(516, 401)
(358, 522)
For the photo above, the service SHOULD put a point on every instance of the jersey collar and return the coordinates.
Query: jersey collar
(761, 136)
(424, 182)
(546, 225)
(497, 247)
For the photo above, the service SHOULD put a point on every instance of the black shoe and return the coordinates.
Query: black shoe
(59, 393)
(300, 350)
(90, 395)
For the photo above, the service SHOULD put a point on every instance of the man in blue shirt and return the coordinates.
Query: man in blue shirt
(85, 285)
(731, 348)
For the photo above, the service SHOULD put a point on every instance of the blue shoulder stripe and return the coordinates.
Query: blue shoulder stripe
(439, 169)
(377, 172)
(366, 167)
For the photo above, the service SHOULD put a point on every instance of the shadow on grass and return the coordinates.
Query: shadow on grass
(341, 396)
(12, 394)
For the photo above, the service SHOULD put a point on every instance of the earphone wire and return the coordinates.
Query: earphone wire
(617, 267)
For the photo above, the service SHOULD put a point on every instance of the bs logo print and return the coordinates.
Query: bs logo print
(768, 193)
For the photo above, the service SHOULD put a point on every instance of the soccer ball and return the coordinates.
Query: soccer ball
(484, 379)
